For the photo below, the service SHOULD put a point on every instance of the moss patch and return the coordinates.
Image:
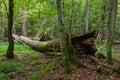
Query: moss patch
(44, 44)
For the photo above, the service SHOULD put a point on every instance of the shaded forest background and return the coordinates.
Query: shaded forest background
(33, 17)
(80, 36)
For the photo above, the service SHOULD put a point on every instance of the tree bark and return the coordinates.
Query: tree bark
(10, 53)
(109, 34)
(71, 17)
(114, 15)
(86, 15)
(24, 29)
(61, 24)
(60, 5)
(5, 28)
(102, 23)
(111, 28)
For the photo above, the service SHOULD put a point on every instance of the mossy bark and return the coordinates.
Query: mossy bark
(109, 33)
(70, 56)
(67, 65)
(70, 50)
(39, 45)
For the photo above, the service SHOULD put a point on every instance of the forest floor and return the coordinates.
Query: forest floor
(31, 65)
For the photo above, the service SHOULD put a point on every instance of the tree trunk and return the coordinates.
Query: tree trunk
(39, 22)
(109, 33)
(80, 17)
(71, 17)
(62, 36)
(24, 30)
(10, 49)
(111, 28)
(114, 15)
(5, 28)
(102, 23)
(86, 15)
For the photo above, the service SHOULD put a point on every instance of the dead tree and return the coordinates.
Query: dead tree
(82, 43)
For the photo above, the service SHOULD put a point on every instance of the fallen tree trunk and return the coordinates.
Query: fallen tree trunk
(38, 45)
(82, 43)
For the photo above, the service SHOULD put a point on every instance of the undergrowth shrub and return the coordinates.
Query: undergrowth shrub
(17, 48)
(3, 77)
(6, 67)
(43, 69)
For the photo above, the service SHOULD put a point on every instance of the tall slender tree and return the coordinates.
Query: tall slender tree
(10, 53)
(61, 23)
(102, 23)
(24, 26)
(71, 16)
(5, 29)
(62, 36)
(114, 15)
(111, 27)
(65, 44)
(86, 15)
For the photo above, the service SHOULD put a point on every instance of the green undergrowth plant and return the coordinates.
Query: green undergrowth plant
(102, 48)
(58, 54)
(10, 69)
(3, 48)
(6, 67)
(116, 56)
(17, 48)
(116, 69)
(43, 68)
(101, 69)
(3, 77)
(37, 75)
(100, 56)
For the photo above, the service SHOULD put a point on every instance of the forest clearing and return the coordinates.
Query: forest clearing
(60, 40)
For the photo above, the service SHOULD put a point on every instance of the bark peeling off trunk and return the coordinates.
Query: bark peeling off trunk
(82, 43)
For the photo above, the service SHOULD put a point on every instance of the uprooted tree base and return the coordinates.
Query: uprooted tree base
(83, 43)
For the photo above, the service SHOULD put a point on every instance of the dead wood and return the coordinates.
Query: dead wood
(82, 43)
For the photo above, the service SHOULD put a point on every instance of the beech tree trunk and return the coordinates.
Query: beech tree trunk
(102, 23)
(86, 15)
(111, 28)
(71, 17)
(109, 34)
(114, 15)
(10, 49)
(5, 28)
(4, 23)
(24, 29)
